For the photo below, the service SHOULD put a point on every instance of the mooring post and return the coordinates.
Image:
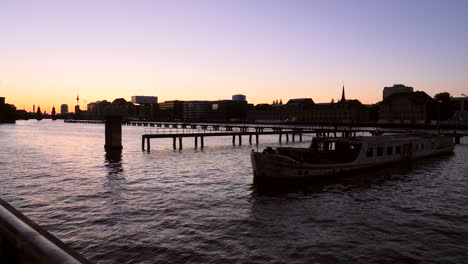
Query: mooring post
(240, 140)
(287, 137)
(142, 143)
(293, 137)
(113, 132)
(256, 139)
(233, 140)
(148, 145)
(180, 142)
(201, 142)
(174, 142)
(280, 138)
(196, 141)
(250, 139)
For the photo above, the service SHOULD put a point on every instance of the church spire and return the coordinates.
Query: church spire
(343, 95)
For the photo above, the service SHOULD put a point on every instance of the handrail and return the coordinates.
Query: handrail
(23, 241)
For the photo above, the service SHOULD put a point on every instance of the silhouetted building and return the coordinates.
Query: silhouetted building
(7, 112)
(342, 112)
(460, 108)
(195, 110)
(22, 114)
(265, 113)
(408, 108)
(228, 110)
(121, 107)
(170, 110)
(140, 99)
(53, 113)
(239, 97)
(397, 88)
(98, 110)
(297, 110)
(148, 106)
(64, 109)
(305, 110)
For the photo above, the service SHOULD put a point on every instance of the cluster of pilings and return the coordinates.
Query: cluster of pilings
(236, 137)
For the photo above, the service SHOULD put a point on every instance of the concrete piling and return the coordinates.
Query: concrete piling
(113, 133)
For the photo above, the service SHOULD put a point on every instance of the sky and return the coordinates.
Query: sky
(210, 50)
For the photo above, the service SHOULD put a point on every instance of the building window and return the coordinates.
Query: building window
(390, 150)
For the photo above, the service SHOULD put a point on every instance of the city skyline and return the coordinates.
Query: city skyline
(210, 50)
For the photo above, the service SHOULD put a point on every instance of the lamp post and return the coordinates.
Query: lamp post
(438, 116)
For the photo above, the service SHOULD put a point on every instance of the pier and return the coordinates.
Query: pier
(198, 131)
(253, 136)
(253, 133)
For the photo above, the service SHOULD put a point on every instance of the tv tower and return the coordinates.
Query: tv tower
(77, 98)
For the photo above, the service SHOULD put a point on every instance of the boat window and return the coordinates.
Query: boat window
(379, 151)
(370, 152)
(390, 150)
(398, 150)
(320, 146)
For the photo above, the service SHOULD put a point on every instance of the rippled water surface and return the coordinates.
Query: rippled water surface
(199, 206)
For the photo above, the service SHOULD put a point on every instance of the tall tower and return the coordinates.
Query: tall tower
(343, 95)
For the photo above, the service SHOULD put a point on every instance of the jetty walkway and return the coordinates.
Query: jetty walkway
(179, 130)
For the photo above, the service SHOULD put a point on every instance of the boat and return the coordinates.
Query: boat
(330, 156)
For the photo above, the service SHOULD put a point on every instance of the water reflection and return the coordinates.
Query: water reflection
(113, 162)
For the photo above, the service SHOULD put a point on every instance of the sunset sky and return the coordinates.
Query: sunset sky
(209, 50)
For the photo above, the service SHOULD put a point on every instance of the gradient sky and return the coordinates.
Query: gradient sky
(191, 50)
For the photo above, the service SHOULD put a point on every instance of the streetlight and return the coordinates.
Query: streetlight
(438, 116)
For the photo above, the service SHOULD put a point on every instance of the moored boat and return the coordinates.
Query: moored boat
(327, 157)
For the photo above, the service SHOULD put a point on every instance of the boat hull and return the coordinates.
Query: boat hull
(271, 166)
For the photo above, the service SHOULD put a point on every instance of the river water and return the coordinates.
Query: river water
(199, 206)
